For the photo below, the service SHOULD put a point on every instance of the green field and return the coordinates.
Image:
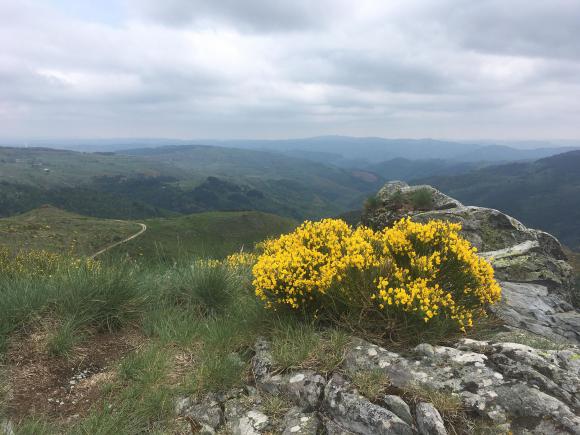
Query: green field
(212, 234)
(51, 229)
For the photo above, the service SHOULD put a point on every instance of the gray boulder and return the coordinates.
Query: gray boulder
(429, 421)
(354, 413)
(243, 416)
(533, 308)
(304, 388)
(398, 406)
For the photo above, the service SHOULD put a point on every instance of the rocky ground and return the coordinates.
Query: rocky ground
(482, 387)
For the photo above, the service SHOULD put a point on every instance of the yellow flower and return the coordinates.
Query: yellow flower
(426, 270)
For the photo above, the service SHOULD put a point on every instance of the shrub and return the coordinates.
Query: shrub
(424, 271)
(398, 200)
(422, 199)
(207, 285)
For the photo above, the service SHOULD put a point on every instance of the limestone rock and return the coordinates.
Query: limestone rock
(244, 417)
(304, 388)
(500, 382)
(398, 406)
(429, 421)
(262, 361)
(352, 412)
(297, 422)
(531, 307)
(395, 202)
(208, 413)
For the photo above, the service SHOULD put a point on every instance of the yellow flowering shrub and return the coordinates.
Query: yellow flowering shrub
(423, 270)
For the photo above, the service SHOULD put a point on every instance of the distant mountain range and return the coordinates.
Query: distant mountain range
(344, 151)
(298, 178)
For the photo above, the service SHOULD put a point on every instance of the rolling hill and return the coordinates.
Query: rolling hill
(543, 194)
(55, 230)
(165, 181)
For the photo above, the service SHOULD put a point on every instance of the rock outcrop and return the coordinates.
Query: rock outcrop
(537, 281)
(498, 387)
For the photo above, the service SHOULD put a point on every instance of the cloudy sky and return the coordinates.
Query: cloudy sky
(505, 69)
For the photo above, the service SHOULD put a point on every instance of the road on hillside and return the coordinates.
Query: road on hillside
(112, 245)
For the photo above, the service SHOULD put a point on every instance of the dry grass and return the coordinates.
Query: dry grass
(371, 383)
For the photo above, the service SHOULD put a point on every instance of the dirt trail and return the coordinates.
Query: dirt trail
(112, 245)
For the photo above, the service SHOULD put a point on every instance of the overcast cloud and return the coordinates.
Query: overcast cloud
(507, 69)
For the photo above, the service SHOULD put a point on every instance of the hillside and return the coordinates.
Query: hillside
(350, 151)
(543, 194)
(212, 234)
(298, 187)
(60, 168)
(406, 170)
(55, 230)
(157, 182)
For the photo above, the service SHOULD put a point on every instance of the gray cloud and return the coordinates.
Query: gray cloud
(276, 69)
(518, 27)
(249, 15)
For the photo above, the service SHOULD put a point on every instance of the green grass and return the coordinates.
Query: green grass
(62, 341)
(105, 299)
(211, 234)
(55, 230)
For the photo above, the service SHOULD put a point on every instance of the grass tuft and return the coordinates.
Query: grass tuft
(62, 341)
(371, 383)
(304, 346)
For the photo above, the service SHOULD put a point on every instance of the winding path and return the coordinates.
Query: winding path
(112, 245)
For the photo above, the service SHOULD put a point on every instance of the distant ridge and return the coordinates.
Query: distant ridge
(339, 150)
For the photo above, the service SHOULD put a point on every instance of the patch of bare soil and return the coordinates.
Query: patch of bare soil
(61, 388)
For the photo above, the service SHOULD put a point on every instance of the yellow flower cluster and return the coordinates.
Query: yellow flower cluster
(434, 271)
(39, 263)
(426, 270)
(299, 266)
(241, 260)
